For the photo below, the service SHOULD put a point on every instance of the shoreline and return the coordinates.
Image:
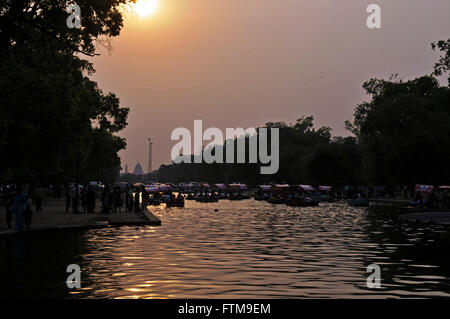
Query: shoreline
(54, 218)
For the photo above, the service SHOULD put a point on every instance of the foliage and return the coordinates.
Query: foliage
(404, 129)
(56, 124)
(443, 65)
(307, 155)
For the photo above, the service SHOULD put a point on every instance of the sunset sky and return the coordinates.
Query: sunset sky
(242, 63)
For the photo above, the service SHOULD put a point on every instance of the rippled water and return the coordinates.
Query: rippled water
(247, 249)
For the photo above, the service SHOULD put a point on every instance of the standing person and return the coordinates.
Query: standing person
(74, 199)
(67, 194)
(405, 191)
(107, 200)
(118, 199)
(20, 202)
(130, 202)
(145, 198)
(90, 200)
(8, 202)
(83, 195)
(38, 195)
(137, 207)
(28, 213)
(432, 200)
(127, 198)
(370, 192)
(440, 198)
(2, 196)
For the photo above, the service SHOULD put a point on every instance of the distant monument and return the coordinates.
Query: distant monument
(150, 155)
(126, 169)
(138, 169)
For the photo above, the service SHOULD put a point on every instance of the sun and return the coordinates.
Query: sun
(145, 8)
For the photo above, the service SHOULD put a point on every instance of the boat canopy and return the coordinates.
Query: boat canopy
(265, 187)
(444, 187)
(426, 189)
(237, 186)
(221, 186)
(282, 185)
(325, 188)
(152, 188)
(306, 187)
(164, 188)
(193, 186)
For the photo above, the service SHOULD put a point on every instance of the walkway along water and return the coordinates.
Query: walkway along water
(54, 217)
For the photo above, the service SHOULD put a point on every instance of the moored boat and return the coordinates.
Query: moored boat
(238, 196)
(358, 202)
(276, 201)
(260, 196)
(175, 203)
(302, 202)
(207, 199)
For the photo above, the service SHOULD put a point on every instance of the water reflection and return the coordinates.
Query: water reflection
(247, 249)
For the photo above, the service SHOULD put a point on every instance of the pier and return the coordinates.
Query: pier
(54, 217)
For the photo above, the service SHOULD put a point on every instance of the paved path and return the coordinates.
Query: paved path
(54, 216)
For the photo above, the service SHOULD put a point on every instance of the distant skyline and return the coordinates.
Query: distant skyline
(244, 63)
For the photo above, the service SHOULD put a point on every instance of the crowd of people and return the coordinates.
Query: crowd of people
(114, 199)
(21, 201)
(18, 200)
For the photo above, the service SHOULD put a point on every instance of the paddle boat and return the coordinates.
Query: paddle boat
(302, 202)
(207, 199)
(175, 203)
(358, 202)
(276, 201)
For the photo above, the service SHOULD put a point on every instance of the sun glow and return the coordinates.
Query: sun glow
(145, 8)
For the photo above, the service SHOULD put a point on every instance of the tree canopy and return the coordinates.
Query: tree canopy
(404, 130)
(55, 122)
(307, 155)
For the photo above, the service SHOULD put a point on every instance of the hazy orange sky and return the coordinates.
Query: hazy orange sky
(242, 63)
